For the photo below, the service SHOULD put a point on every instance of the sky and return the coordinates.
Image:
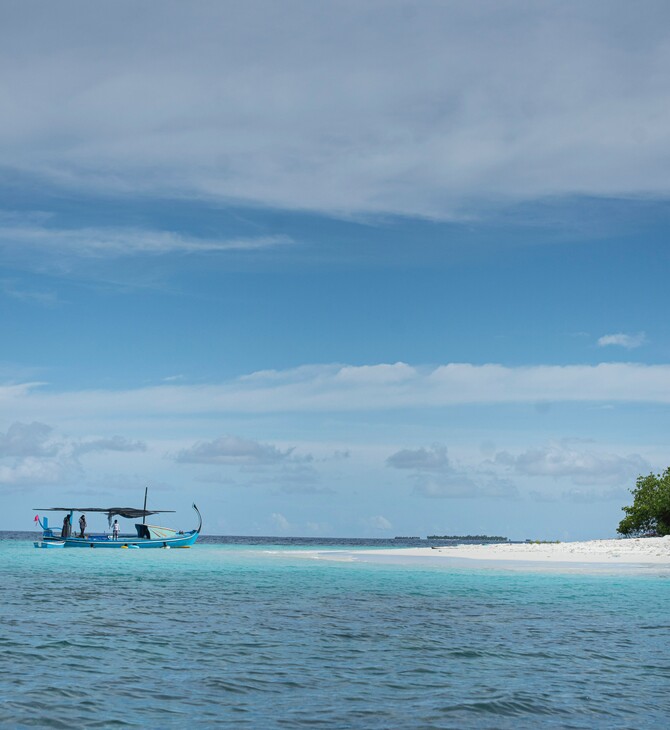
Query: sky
(335, 269)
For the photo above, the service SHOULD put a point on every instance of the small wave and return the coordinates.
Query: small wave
(508, 707)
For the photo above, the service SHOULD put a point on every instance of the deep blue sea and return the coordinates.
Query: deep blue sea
(242, 633)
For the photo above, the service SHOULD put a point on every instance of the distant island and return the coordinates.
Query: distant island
(471, 538)
(403, 537)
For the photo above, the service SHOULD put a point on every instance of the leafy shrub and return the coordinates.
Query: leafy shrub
(650, 511)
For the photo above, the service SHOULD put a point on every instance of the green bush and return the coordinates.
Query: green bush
(650, 511)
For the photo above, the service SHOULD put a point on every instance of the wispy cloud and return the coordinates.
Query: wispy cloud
(16, 290)
(630, 342)
(101, 242)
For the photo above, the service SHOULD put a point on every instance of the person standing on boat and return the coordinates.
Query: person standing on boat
(115, 530)
(82, 525)
(65, 532)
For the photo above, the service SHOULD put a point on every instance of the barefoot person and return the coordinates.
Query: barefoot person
(82, 525)
(115, 530)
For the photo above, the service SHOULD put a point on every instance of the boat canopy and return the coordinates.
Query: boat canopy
(129, 512)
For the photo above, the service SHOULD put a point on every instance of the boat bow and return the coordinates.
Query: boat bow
(199, 518)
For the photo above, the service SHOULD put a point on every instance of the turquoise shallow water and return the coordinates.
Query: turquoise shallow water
(268, 637)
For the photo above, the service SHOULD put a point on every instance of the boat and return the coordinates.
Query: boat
(145, 536)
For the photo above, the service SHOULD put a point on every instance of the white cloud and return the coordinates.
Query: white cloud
(29, 455)
(630, 342)
(378, 522)
(33, 471)
(234, 451)
(569, 459)
(27, 439)
(280, 522)
(399, 372)
(435, 477)
(399, 107)
(318, 389)
(421, 459)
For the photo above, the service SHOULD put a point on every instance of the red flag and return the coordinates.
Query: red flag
(37, 518)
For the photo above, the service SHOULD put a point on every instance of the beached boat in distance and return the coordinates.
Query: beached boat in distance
(147, 536)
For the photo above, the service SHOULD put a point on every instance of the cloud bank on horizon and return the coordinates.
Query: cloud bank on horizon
(172, 424)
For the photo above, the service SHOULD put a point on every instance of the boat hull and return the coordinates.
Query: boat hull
(179, 541)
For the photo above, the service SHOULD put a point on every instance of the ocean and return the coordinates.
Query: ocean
(268, 633)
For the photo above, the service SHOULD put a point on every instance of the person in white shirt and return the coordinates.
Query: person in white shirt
(115, 529)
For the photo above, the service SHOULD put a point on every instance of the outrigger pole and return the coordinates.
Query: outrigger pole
(144, 516)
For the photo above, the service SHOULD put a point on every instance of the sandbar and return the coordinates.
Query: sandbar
(628, 551)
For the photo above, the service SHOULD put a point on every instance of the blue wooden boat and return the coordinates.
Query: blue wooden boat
(145, 536)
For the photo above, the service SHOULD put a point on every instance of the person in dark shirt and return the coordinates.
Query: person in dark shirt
(65, 532)
(82, 525)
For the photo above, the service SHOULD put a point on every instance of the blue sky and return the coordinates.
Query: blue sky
(335, 269)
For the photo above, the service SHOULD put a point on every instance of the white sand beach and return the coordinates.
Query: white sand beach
(647, 550)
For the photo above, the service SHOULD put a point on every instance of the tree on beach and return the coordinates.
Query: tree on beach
(650, 511)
